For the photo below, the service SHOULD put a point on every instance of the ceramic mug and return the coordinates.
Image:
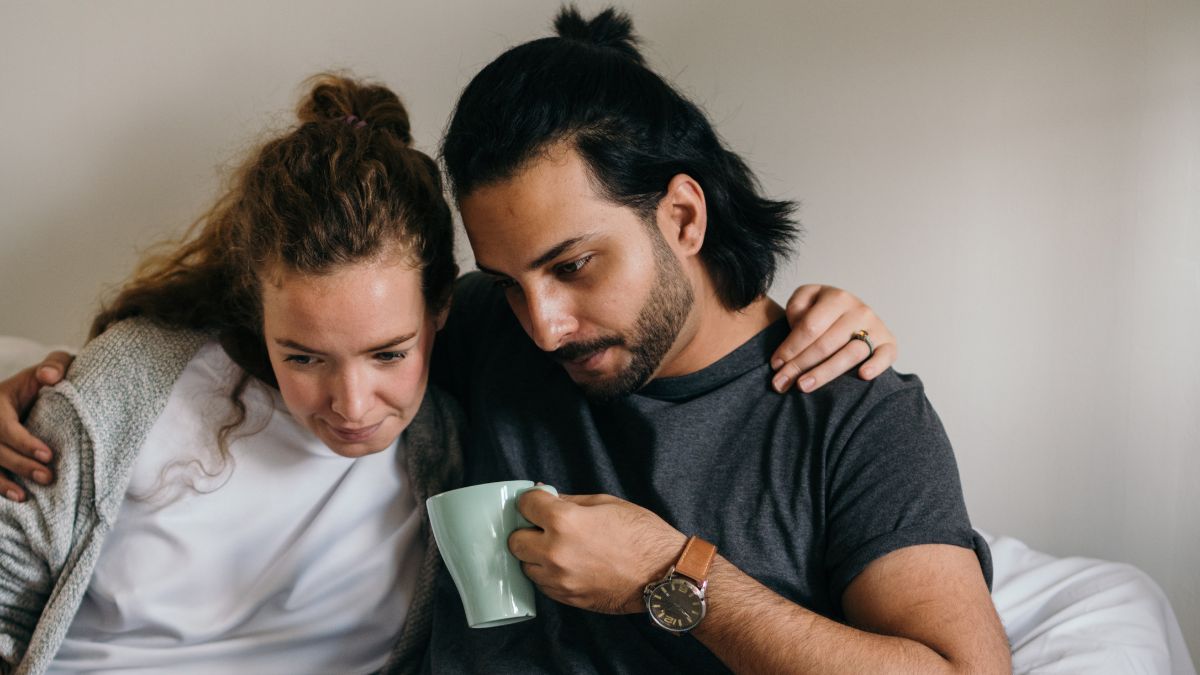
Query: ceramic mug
(471, 526)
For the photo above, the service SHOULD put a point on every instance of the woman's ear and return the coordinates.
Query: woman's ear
(439, 320)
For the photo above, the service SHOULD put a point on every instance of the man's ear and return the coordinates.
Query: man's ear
(685, 214)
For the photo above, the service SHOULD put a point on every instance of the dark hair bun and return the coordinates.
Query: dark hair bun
(342, 99)
(610, 29)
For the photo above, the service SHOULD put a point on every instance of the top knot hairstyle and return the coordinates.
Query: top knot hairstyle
(590, 86)
(610, 29)
(342, 186)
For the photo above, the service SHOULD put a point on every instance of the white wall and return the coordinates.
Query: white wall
(1015, 186)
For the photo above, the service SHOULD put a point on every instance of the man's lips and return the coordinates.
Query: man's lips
(586, 361)
(352, 434)
(580, 354)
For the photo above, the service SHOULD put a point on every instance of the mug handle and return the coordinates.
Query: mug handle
(521, 522)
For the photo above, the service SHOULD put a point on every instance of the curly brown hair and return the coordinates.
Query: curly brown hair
(342, 186)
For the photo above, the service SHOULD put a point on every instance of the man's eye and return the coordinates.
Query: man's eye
(389, 357)
(298, 359)
(574, 265)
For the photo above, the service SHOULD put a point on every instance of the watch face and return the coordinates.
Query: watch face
(676, 604)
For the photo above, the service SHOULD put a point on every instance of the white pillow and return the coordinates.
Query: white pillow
(17, 353)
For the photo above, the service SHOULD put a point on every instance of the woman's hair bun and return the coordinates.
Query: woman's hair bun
(335, 97)
(611, 29)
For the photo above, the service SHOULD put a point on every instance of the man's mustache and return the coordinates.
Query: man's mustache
(577, 350)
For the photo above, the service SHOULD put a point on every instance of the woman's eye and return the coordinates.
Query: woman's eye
(574, 265)
(503, 283)
(298, 359)
(389, 357)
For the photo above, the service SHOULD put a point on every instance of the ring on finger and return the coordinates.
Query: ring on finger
(862, 335)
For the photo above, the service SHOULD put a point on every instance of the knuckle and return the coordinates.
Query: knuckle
(808, 330)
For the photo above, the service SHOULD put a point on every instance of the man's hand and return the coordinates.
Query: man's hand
(20, 452)
(596, 552)
(819, 347)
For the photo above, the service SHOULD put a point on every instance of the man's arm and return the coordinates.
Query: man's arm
(920, 609)
(20, 451)
(36, 537)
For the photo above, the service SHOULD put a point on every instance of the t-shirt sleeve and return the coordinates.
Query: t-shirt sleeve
(893, 483)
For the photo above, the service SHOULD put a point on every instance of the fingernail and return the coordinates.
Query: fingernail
(41, 477)
(779, 383)
(13, 495)
(806, 385)
(776, 364)
(43, 455)
(46, 372)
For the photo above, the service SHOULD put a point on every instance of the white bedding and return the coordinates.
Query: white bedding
(1062, 615)
(1081, 615)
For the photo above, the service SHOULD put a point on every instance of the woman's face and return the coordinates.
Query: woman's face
(350, 351)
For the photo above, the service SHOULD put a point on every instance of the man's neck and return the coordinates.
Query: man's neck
(713, 331)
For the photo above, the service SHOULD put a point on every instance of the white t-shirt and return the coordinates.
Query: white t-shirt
(289, 559)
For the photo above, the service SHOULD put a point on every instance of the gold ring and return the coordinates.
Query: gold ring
(862, 335)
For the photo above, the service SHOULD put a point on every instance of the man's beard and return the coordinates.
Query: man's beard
(654, 332)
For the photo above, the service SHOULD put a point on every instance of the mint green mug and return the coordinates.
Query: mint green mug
(471, 526)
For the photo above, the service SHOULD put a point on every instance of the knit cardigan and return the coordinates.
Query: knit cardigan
(96, 420)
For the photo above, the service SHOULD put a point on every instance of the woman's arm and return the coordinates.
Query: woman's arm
(36, 537)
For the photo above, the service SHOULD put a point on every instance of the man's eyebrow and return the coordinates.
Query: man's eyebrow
(292, 344)
(549, 254)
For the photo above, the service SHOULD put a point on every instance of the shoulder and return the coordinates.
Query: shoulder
(125, 375)
(853, 399)
(434, 444)
(134, 355)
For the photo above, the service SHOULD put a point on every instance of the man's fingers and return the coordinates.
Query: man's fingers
(21, 465)
(50, 371)
(10, 490)
(16, 438)
(537, 506)
(589, 500)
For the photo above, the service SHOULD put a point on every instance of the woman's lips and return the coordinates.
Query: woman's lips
(352, 435)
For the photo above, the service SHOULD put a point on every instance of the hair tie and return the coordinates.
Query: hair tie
(355, 122)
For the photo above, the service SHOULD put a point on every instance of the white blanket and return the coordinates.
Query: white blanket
(1081, 615)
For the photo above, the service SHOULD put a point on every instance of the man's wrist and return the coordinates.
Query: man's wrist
(656, 565)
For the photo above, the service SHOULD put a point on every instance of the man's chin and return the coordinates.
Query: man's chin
(603, 389)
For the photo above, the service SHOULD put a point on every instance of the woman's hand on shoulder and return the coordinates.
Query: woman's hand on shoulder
(825, 340)
(21, 454)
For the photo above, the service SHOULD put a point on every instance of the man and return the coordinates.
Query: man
(633, 374)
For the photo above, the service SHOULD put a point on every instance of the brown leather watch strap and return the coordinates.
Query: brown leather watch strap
(695, 560)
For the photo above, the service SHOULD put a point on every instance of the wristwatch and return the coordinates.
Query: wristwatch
(676, 603)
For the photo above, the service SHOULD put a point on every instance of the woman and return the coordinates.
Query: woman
(244, 464)
(247, 442)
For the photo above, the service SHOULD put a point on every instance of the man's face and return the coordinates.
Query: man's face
(591, 283)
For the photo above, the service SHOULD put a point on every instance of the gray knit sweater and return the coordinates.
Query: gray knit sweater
(96, 420)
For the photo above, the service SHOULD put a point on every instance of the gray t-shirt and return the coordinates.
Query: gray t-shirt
(800, 491)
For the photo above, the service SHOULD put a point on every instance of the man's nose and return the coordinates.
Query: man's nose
(550, 319)
(351, 396)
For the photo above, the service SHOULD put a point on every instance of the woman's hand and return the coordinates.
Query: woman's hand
(821, 345)
(20, 453)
